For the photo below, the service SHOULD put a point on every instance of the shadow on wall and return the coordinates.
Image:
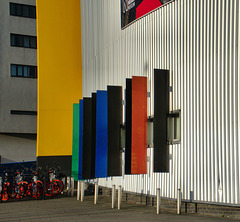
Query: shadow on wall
(5, 160)
(22, 135)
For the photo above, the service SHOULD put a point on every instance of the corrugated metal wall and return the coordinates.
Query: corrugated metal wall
(198, 42)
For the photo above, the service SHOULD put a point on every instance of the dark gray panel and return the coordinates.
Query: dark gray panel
(128, 123)
(64, 162)
(87, 139)
(161, 110)
(93, 152)
(114, 130)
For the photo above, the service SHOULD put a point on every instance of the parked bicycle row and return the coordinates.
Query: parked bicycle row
(29, 183)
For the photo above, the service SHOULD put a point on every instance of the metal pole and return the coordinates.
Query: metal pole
(68, 185)
(113, 195)
(158, 200)
(78, 190)
(179, 201)
(72, 186)
(96, 194)
(82, 191)
(119, 197)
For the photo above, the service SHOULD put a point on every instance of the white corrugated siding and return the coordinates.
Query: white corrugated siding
(198, 42)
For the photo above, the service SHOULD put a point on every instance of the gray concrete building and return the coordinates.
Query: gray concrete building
(18, 80)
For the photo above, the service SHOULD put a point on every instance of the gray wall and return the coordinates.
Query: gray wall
(16, 93)
(17, 147)
(18, 143)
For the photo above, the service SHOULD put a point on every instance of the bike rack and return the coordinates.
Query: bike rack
(113, 195)
(78, 190)
(82, 191)
(119, 197)
(72, 186)
(96, 194)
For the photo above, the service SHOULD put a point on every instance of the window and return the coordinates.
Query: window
(24, 41)
(28, 11)
(21, 112)
(33, 42)
(23, 71)
(173, 127)
(150, 131)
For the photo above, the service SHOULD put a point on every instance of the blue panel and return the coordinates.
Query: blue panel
(101, 134)
(80, 139)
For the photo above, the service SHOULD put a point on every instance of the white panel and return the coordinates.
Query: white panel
(198, 41)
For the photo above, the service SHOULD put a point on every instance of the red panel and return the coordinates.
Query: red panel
(147, 6)
(139, 125)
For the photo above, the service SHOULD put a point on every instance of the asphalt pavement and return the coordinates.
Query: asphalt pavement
(69, 209)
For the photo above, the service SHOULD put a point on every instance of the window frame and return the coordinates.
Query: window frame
(18, 40)
(17, 9)
(22, 67)
(171, 139)
(23, 112)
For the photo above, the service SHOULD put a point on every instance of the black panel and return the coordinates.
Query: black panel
(87, 139)
(128, 123)
(94, 103)
(64, 162)
(161, 110)
(114, 130)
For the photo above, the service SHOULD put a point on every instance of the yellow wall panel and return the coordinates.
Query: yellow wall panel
(59, 74)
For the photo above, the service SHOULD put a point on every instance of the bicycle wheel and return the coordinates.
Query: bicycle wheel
(39, 189)
(22, 187)
(59, 185)
(49, 189)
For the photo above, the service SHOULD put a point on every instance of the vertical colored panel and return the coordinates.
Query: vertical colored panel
(93, 152)
(161, 110)
(139, 125)
(80, 139)
(128, 123)
(101, 135)
(75, 141)
(87, 138)
(114, 130)
(59, 77)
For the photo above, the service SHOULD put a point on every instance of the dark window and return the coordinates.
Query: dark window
(32, 12)
(21, 112)
(24, 41)
(12, 8)
(13, 40)
(25, 10)
(28, 11)
(33, 42)
(23, 71)
(32, 72)
(13, 70)
(20, 71)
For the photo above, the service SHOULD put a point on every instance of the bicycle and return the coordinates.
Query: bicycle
(54, 186)
(35, 188)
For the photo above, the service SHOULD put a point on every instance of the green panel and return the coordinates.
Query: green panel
(75, 142)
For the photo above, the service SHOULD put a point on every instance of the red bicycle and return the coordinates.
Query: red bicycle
(35, 188)
(54, 186)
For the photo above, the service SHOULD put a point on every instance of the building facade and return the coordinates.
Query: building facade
(198, 42)
(18, 81)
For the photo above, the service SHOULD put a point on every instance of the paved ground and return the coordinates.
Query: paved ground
(69, 209)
